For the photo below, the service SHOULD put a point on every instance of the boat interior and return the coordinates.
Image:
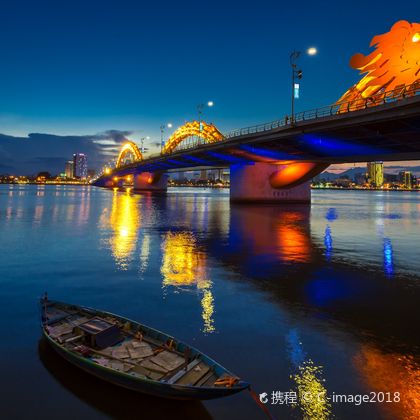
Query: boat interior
(129, 348)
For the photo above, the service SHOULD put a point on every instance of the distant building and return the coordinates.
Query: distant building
(69, 169)
(405, 178)
(80, 165)
(375, 173)
(203, 175)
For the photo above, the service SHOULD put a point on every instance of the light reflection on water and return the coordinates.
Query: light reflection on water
(124, 220)
(394, 373)
(309, 381)
(184, 267)
(233, 279)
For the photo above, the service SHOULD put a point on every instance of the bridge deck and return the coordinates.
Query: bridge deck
(386, 132)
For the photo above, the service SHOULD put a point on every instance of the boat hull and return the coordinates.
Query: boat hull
(145, 386)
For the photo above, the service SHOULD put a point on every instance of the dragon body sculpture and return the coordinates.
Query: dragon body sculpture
(388, 70)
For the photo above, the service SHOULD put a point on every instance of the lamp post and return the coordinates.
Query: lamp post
(142, 149)
(162, 130)
(297, 74)
(201, 107)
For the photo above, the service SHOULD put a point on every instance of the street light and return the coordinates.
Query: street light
(297, 73)
(200, 108)
(142, 142)
(162, 130)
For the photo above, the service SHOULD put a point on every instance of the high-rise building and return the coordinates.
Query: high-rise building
(405, 178)
(375, 173)
(80, 165)
(69, 169)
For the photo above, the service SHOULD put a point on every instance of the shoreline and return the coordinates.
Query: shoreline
(220, 187)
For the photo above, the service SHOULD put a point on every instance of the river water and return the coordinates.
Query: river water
(309, 300)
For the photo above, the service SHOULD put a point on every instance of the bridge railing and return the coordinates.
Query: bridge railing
(380, 98)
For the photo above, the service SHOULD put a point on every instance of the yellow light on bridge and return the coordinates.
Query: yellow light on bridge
(129, 147)
(312, 51)
(201, 129)
(107, 171)
(115, 178)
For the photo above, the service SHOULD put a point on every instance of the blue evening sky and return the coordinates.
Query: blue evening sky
(77, 68)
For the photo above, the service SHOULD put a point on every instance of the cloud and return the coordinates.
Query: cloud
(49, 152)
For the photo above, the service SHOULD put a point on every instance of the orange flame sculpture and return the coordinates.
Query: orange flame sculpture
(392, 66)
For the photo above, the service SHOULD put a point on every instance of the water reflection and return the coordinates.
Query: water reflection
(388, 258)
(125, 219)
(282, 231)
(309, 381)
(144, 253)
(394, 373)
(184, 266)
(328, 242)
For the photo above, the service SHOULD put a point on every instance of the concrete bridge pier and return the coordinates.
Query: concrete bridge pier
(254, 184)
(147, 181)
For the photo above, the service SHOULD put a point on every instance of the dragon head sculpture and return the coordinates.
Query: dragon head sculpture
(394, 64)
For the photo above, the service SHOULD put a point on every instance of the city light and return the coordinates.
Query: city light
(312, 51)
(210, 103)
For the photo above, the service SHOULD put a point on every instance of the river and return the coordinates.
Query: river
(317, 300)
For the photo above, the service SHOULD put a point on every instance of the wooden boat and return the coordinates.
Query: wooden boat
(132, 355)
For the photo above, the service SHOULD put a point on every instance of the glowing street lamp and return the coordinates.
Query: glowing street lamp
(162, 130)
(200, 108)
(297, 73)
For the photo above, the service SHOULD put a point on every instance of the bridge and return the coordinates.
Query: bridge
(376, 119)
(274, 161)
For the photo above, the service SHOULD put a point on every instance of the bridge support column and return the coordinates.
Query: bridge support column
(147, 181)
(251, 184)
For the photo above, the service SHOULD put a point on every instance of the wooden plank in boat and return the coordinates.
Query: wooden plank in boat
(168, 360)
(182, 372)
(120, 352)
(210, 382)
(139, 350)
(58, 330)
(204, 379)
(148, 373)
(194, 375)
(153, 366)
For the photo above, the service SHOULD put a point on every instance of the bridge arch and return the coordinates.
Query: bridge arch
(203, 130)
(128, 147)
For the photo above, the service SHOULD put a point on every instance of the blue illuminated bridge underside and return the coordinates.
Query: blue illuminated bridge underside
(386, 132)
